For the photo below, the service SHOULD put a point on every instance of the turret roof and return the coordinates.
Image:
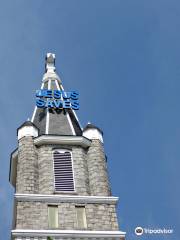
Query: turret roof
(91, 126)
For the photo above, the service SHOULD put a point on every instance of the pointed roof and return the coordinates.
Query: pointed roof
(27, 123)
(92, 126)
(50, 121)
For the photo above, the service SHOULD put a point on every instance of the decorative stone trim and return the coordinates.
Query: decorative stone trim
(66, 140)
(67, 233)
(65, 198)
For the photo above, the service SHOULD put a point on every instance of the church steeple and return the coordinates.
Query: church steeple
(60, 176)
(55, 121)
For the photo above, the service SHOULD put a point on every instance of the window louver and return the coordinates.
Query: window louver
(63, 171)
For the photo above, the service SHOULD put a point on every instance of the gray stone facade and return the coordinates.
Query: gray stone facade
(35, 168)
(27, 167)
(35, 175)
(97, 168)
(81, 175)
(34, 215)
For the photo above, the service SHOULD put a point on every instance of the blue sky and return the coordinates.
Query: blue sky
(124, 59)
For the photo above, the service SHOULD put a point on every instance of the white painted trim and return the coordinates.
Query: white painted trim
(70, 123)
(67, 114)
(74, 113)
(42, 86)
(57, 85)
(66, 198)
(72, 161)
(65, 140)
(67, 233)
(47, 114)
(34, 113)
(77, 119)
(47, 121)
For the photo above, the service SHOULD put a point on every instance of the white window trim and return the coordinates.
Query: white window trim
(62, 150)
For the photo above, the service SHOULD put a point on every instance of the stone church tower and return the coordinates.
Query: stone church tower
(60, 176)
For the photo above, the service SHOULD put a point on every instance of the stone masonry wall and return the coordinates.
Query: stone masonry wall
(34, 215)
(35, 172)
(27, 167)
(31, 215)
(98, 177)
(46, 172)
(80, 171)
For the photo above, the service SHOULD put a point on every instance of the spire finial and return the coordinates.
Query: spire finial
(50, 72)
(50, 63)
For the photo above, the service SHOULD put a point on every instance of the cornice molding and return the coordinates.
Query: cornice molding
(67, 233)
(66, 198)
(65, 140)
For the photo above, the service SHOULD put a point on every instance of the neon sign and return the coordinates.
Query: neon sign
(57, 99)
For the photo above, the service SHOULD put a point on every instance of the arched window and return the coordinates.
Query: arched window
(63, 171)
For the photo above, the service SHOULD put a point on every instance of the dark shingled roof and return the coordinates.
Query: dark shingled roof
(27, 123)
(51, 121)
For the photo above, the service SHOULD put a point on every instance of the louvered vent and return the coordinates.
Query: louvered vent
(63, 171)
